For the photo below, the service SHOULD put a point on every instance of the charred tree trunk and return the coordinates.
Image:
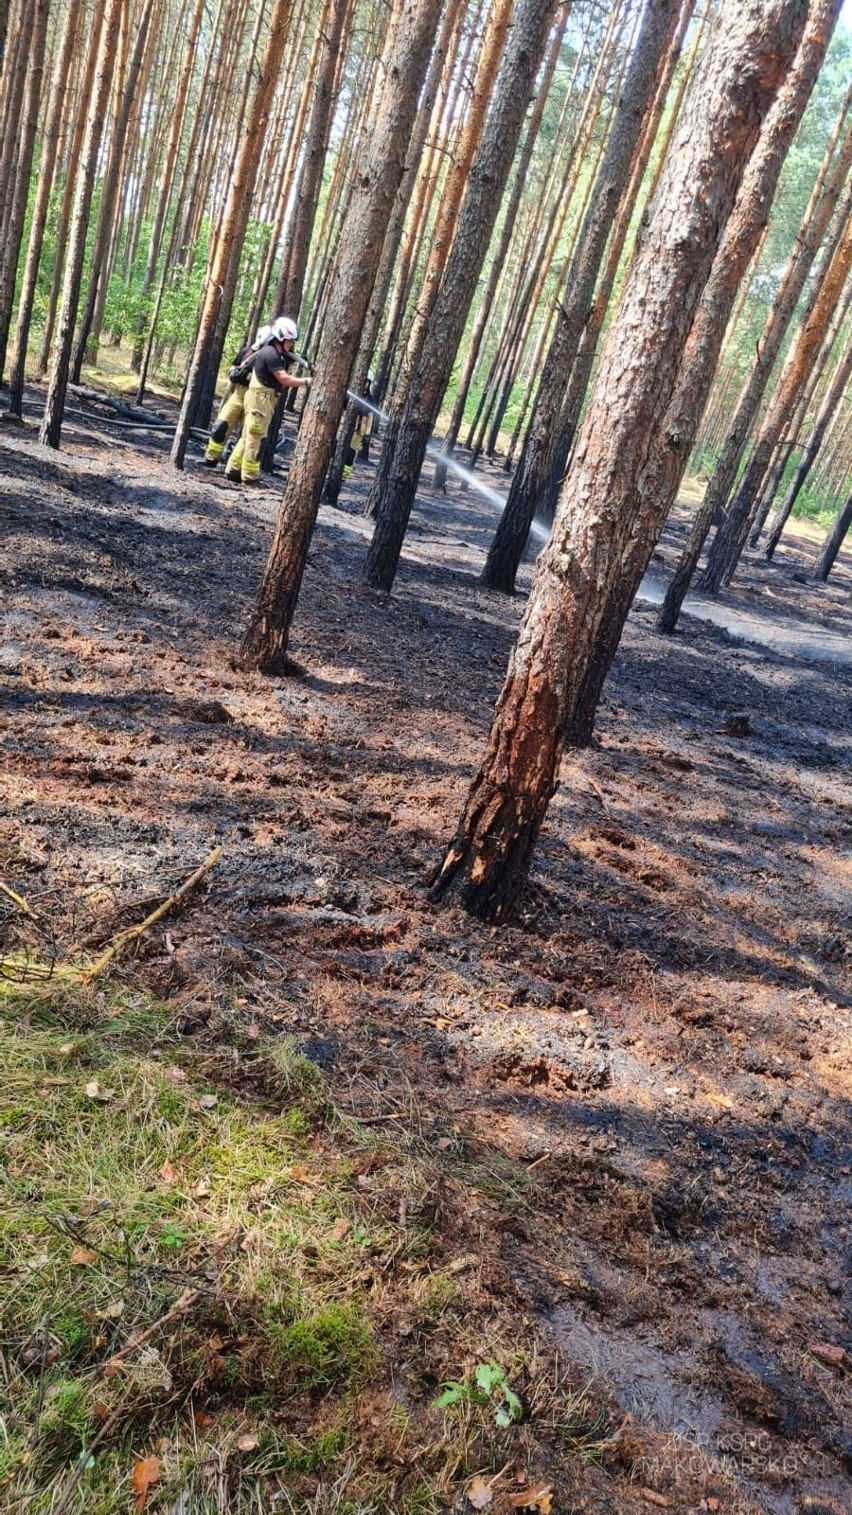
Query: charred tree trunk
(600, 508)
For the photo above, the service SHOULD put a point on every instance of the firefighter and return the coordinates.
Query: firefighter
(363, 431)
(232, 410)
(270, 374)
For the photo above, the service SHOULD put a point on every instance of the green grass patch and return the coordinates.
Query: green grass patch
(204, 1266)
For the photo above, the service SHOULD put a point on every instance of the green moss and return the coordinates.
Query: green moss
(334, 1345)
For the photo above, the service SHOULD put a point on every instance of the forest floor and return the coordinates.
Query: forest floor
(312, 1148)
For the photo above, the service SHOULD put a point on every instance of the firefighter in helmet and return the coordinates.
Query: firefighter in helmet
(232, 410)
(271, 372)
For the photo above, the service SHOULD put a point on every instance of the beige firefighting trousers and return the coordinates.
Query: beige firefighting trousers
(230, 417)
(259, 410)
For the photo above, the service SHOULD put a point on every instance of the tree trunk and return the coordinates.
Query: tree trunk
(814, 225)
(731, 537)
(109, 192)
(167, 171)
(750, 52)
(833, 542)
(504, 555)
(265, 643)
(51, 426)
(443, 228)
(14, 79)
(390, 252)
(46, 171)
(826, 411)
(742, 237)
(395, 489)
(210, 337)
(288, 295)
(13, 228)
(789, 440)
(499, 260)
(72, 155)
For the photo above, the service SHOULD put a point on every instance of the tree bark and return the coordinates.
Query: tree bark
(731, 537)
(814, 225)
(504, 555)
(265, 643)
(601, 508)
(210, 337)
(51, 426)
(826, 411)
(13, 228)
(833, 542)
(395, 488)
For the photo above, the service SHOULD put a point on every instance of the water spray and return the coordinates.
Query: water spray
(433, 451)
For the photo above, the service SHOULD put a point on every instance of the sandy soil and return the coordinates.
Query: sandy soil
(661, 1040)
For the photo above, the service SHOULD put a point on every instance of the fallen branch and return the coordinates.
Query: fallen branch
(83, 1460)
(133, 933)
(138, 1339)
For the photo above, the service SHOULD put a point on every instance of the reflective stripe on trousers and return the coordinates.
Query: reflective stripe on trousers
(260, 408)
(230, 418)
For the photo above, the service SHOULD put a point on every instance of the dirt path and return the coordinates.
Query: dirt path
(654, 1061)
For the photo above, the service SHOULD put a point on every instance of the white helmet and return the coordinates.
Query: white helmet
(285, 330)
(264, 335)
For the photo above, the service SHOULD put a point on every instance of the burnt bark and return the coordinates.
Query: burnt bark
(608, 493)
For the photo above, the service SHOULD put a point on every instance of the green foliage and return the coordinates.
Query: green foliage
(489, 1387)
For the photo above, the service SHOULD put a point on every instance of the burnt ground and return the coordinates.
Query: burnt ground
(660, 1042)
